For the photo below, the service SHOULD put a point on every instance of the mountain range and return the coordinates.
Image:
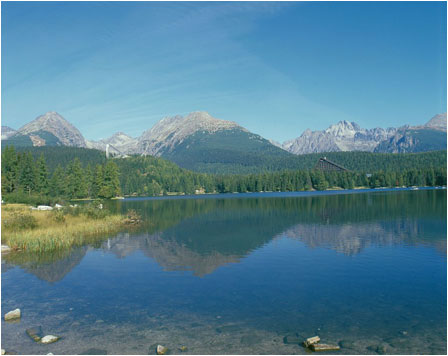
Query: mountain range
(198, 140)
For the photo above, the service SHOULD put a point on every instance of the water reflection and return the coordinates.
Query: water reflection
(200, 235)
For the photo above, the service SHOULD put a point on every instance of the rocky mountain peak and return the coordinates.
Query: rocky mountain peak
(54, 123)
(172, 130)
(343, 129)
(342, 136)
(437, 122)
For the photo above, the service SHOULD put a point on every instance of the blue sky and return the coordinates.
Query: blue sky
(275, 68)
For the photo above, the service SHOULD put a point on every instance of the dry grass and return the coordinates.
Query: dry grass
(31, 230)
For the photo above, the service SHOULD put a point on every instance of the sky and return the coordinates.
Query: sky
(274, 68)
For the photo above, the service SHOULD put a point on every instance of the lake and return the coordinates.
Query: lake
(244, 274)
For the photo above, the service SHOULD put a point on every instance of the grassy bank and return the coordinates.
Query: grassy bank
(38, 231)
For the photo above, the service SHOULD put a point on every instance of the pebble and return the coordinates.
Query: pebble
(161, 350)
(49, 339)
(14, 314)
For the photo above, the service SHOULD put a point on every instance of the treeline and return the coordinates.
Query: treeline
(290, 181)
(25, 176)
(26, 179)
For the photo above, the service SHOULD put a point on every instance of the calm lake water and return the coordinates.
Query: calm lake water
(245, 275)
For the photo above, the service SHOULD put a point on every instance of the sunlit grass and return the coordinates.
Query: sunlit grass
(39, 231)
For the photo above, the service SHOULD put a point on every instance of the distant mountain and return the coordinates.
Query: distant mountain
(118, 143)
(169, 132)
(7, 132)
(343, 136)
(413, 140)
(200, 142)
(50, 129)
(349, 136)
(428, 137)
(203, 143)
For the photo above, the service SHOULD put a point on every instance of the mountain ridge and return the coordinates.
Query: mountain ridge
(349, 136)
(201, 142)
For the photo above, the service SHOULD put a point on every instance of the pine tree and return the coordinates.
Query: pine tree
(319, 181)
(42, 185)
(111, 181)
(76, 182)
(27, 176)
(9, 170)
(58, 182)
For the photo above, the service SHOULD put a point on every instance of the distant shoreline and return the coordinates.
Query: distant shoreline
(280, 194)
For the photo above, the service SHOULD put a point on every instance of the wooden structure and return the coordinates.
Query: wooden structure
(325, 165)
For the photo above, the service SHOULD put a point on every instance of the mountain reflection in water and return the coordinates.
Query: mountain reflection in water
(200, 235)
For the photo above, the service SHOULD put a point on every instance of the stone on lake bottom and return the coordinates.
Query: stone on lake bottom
(161, 350)
(14, 314)
(35, 333)
(311, 341)
(324, 347)
(49, 339)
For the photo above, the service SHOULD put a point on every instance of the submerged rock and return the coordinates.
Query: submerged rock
(324, 347)
(12, 315)
(35, 333)
(49, 339)
(311, 341)
(161, 350)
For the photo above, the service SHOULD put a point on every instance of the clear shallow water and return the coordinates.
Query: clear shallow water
(245, 276)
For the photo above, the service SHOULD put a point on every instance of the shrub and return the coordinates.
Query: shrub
(59, 215)
(132, 217)
(95, 213)
(33, 199)
(19, 220)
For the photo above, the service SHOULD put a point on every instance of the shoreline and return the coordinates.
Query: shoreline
(305, 193)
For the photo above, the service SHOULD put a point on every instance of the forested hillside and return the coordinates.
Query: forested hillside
(355, 161)
(46, 174)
